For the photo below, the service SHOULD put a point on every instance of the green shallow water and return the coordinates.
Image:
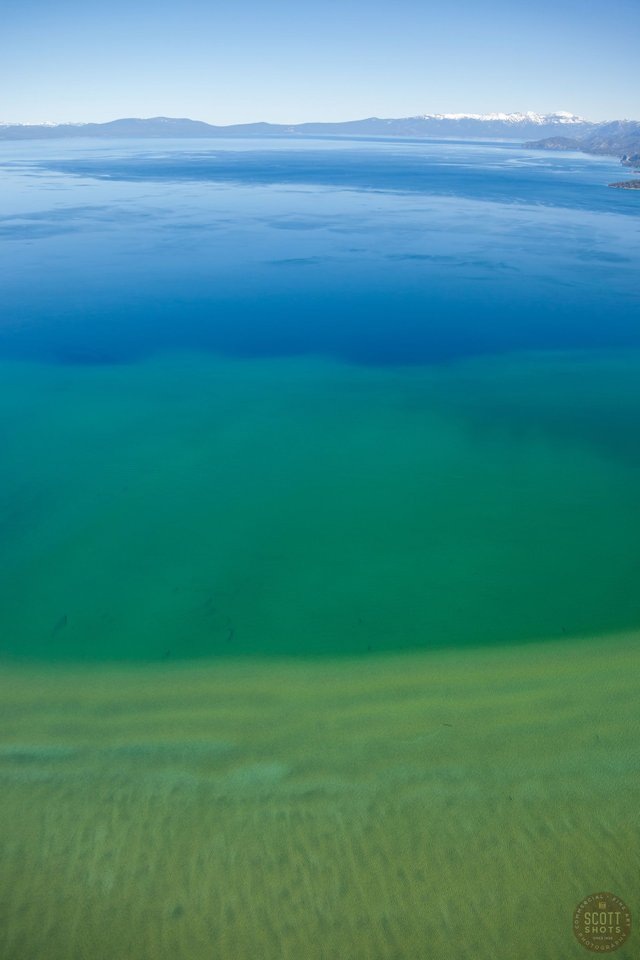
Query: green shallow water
(448, 804)
(194, 506)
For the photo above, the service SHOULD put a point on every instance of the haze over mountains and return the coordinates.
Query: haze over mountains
(558, 131)
(620, 138)
(500, 125)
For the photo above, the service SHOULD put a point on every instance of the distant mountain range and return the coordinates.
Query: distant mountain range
(511, 126)
(553, 131)
(620, 138)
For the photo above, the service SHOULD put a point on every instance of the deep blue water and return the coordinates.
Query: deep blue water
(366, 251)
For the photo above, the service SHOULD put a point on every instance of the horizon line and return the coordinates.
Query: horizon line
(494, 116)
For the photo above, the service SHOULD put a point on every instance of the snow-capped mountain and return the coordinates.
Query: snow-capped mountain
(560, 116)
(42, 123)
(507, 126)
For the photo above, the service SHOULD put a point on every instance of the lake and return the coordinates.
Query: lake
(320, 507)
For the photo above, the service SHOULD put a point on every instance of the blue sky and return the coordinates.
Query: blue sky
(286, 61)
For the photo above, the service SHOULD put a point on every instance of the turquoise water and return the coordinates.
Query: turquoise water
(315, 397)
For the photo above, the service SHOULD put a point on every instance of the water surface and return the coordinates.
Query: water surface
(320, 513)
(315, 396)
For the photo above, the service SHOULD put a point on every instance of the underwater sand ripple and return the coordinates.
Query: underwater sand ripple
(363, 808)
